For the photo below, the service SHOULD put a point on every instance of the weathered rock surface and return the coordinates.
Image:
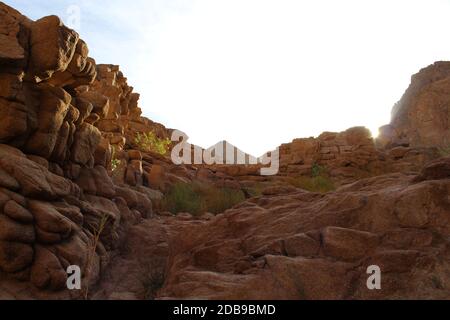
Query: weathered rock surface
(422, 116)
(310, 246)
(76, 189)
(58, 202)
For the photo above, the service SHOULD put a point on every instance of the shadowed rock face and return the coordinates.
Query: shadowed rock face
(55, 184)
(422, 116)
(63, 119)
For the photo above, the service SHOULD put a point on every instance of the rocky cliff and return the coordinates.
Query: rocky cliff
(56, 193)
(421, 117)
(76, 188)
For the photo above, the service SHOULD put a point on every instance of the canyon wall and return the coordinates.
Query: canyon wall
(76, 189)
(421, 117)
(73, 178)
(351, 155)
(62, 118)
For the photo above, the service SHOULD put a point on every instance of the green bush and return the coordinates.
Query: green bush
(255, 191)
(319, 184)
(220, 200)
(319, 181)
(149, 142)
(182, 198)
(115, 163)
(444, 151)
(198, 198)
(317, 170)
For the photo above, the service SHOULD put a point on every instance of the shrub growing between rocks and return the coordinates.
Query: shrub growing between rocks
(152, 278)
(197, 198)
(150, 142)
(319, 181)
(115, 163)
(444, 151)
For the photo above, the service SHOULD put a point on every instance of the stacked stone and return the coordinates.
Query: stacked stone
(55, 152)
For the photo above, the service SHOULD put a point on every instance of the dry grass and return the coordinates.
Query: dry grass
(92, 249)
(255, 190)
(197, 198)
(319, 181)
(152, 277)
(444, 151)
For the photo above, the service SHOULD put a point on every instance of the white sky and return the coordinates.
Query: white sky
(259, 73)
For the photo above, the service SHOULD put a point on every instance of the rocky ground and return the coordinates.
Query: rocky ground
(77, 188)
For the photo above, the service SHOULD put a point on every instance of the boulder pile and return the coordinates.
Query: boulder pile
(78, 189)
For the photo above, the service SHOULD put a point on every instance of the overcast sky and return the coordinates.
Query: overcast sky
(259, 73)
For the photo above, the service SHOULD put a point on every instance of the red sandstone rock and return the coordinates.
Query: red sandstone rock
(63, 119)
(352, 224)
(47, 272)
(52, 46)
(421, 117)
(436, 170)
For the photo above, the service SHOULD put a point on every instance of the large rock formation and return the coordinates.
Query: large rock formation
(345, 157)
(72, 178)
(422, 116)
(302, 245)
(293, 244)
(56, 193)
(76, 189)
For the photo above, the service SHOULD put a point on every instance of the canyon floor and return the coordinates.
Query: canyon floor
(87, 181)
